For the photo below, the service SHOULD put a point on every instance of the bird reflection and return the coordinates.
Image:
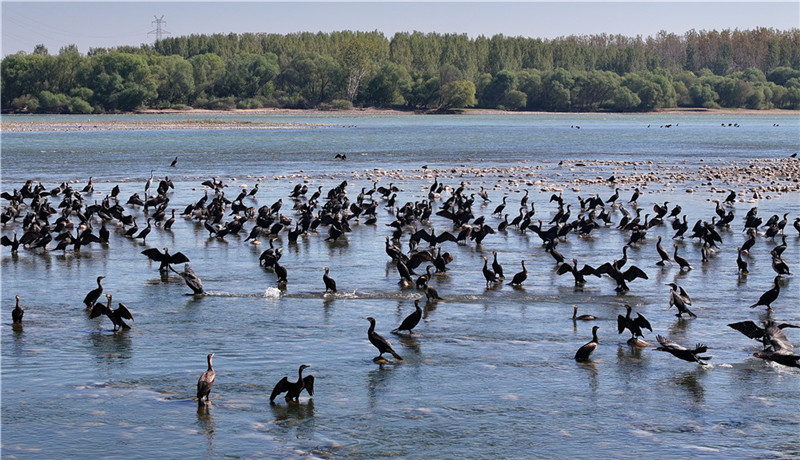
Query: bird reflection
(377, 380)
(590, 368)
(293, 411)
(206, 422)
(690, 382)
(678, 326)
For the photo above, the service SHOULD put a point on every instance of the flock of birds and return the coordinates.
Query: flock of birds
(71, 223)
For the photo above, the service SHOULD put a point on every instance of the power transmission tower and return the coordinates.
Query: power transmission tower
(158, 30)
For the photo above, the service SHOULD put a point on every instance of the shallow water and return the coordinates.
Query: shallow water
(488, 373)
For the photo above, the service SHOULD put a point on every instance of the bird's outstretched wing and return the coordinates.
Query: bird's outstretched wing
(282, 386)
(620, 324)
(97, 310)
(589, 270)
(308, 382)
(748, 328)
(634, 272)
(124, 312)
(154, 254)
(564, 268)
(642, 322)
(178, 258)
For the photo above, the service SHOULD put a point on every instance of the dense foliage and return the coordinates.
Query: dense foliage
(758, 69)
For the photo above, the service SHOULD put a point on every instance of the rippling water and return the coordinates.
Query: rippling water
(488, 373)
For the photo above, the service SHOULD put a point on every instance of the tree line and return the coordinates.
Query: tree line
(757, 69)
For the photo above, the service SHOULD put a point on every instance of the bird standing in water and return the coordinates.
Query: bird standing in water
(94, 294)
(16, 314)
(293, 389)
(116, 316)
(635, 326)
(679, 298)
(379, 342)
(192, 280)
(330, 284)
(587, 349)
(205, 383)
(411, 320)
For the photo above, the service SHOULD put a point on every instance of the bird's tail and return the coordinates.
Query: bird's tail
(690, 313)
(398, 357)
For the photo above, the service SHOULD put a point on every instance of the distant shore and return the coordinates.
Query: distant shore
(89, 124)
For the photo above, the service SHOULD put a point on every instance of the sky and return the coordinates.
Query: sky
(112, 23)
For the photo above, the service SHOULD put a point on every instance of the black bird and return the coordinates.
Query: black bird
(587, 349)
(635, 326)
(116, 316)
(431, 293)
(330, 284)
(741, 263)
(579, 275)
(16, 314)
(682, 352)
(768, 297)
(520, 276)
(5, 241)
(771, 335)
(662, 253)
(575, 316)
(498, 269)
(191, 278)
(205, 383)
(165, 259)
(680, 301)
(174, 162)
(683, 263)
(490, 275)
(411, 321)
(94, 294)
(146, 231)
(293, 389)
(620, 277)
(379, 342)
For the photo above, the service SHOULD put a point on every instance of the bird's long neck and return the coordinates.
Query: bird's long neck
(371, 327)
(210, 367)
(594, 335)
(300, 375)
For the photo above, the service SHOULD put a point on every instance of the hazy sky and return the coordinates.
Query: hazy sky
(108, 24)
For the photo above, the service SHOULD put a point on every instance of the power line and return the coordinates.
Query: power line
(158, 30)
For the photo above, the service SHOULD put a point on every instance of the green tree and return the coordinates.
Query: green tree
(458, 94)
(387, 87)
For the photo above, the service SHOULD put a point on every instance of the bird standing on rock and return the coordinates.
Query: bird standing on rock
(379, 342)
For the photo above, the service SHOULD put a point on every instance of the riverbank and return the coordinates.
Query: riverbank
(217, 119)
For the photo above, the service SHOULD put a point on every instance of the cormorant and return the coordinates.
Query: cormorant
(662, 253)
(520, 276)
(500, 207)
(498, 269)
(174, 162)
(293, 389)
(379, 342)
(94, 294)
(577, 274)
(587, 349)
(5, 241)
(411, 320)
(620, 277)
(16, 314)
(768, 297)
(192, 280)
(633, 325)
(680, 301)
(490, 275)
(431, 293)
(575, 316)
(741, 263)
(683, 263)
(146, 231)
(205, 383)
(116, 316)
(330, 284)
(165, 259)
(771, 335)
(682, 352)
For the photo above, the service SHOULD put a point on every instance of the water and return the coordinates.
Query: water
(488, 373)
